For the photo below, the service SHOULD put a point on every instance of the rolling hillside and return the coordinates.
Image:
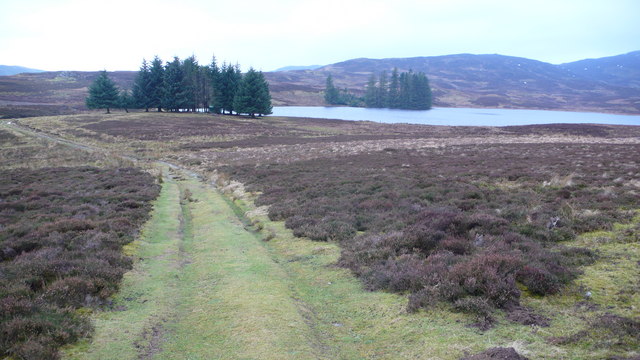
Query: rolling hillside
(608, 84)
(466, 80)
(7, 70)
(621, 70)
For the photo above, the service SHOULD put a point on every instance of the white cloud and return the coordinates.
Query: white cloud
(91, 34)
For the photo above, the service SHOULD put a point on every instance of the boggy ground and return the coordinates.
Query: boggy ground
(531, 230)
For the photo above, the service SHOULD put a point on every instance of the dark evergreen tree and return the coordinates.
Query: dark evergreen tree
(142, 91)
(215, 79)
(420, 92)
(394, 90)
(203, 90)
(371, 93)
(253, 96)
(331, 93)
(229, 82)
(103, 93)
(405, 91)
(156, 83)
(126, 101)
(263, 96)
(185, 85)
(190, 72)
(383, 91)
(174, 97)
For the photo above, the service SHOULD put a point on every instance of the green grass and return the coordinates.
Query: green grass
(204, 288)
(149, 292)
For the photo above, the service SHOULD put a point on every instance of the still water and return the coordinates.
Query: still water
(457, 116)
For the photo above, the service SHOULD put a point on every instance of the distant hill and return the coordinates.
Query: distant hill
(610, 84)
(7, 70)
(51, 93)
(467, 80)
(293, 68)
(621, 70)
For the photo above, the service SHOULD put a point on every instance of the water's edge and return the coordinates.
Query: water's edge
(457, 116)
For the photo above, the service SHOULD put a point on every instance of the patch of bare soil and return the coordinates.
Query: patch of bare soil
(497, 353)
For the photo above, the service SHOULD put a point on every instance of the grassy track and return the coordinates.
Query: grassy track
(204, 288)
(207, 287)
(149, 293)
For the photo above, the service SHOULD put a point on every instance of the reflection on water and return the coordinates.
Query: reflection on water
(457, 116)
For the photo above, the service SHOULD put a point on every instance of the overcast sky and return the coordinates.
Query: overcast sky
(268, 34)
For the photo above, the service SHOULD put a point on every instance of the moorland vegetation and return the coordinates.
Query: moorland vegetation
(471, 225)
(62, 229)
(533, 225)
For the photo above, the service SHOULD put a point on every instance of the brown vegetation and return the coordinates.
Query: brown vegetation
(61, 234)
(479, 220)
(462, 224)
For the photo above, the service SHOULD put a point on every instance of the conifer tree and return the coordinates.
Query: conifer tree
(331, 93)
(174, 97)
(253, 96)
(126, 101)
(203, 88)
(142, 87)
(190, 71)
(383, 91)
(371, 93)
(394, 90)
(229, 82)
(404, 98)
(156, 83)
(263, 96)
(215, 78)
(420, 92)
(103, 93)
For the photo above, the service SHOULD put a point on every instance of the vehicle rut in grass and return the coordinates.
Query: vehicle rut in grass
(204, 288)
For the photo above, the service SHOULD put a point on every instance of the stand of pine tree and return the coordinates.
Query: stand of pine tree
(187, 86)
(407, 90)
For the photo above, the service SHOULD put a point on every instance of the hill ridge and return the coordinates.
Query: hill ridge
(457, 80)
(482, 80)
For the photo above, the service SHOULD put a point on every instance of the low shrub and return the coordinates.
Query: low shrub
(538, 281)
(477, 306)
(61, 250)
(445, 224)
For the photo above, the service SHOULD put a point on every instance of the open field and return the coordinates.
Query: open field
(383, 241)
